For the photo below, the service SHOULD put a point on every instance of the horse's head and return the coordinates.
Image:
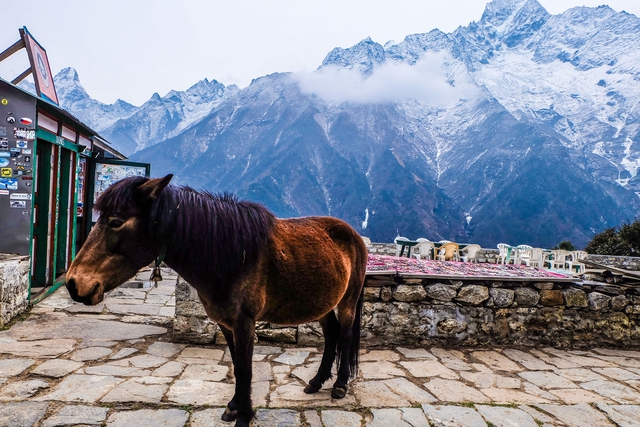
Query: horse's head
(120, 243)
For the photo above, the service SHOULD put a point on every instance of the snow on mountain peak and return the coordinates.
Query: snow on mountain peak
(364, 56)
(499, 12)
(68, 73)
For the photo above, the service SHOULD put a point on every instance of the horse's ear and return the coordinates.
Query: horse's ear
(154, 187)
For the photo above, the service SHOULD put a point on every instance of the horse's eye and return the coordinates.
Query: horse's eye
(115, 222)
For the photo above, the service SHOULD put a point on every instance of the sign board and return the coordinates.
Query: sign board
(40, 67)
(17, 135)
(108, 173)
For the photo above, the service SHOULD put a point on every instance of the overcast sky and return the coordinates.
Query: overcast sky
(129, 49)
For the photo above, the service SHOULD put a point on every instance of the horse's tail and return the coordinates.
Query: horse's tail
(359, 276)
(355, 337)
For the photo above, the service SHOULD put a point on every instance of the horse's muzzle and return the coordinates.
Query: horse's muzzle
(72, 287)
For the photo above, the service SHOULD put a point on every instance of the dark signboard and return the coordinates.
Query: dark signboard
(17, 135)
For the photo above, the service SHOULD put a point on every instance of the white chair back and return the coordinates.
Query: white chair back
(468, 253)
(503, 249)
(423, 250)
(536, 258)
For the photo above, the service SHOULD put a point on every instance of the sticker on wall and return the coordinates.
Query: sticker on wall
(21, 144)
(4, 144)
(20, 167)
(3, 162)
(22, 133)
(18, 204)
(26, 121)
(15, 150)
(8, 183)
(6, 172)
(11, 120)
(5, 154)
(27, 158)
(26, 178)
(20, 196)
(4, 192)
(26, 151)
(4, 101)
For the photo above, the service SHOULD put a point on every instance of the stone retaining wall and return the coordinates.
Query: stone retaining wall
(14, 286)
(461, 313)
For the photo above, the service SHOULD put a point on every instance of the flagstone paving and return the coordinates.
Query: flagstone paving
(115, 365)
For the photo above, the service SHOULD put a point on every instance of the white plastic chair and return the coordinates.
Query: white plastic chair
(423, 249)
(573, 260)
(536, 258)
(557, 259)
(468, 253)
(523, 253)
(504, 252)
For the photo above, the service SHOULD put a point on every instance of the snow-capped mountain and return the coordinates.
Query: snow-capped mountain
(130, 128)
(75, 99)
(161, 118)
(521, 127)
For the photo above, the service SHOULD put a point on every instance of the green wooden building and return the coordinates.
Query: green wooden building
(52, 167)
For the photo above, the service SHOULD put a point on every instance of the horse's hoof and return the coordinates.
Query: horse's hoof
(229, 415)
(338, 392)
(310, 389)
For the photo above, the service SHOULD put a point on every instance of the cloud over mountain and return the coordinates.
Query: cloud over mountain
(428, 81)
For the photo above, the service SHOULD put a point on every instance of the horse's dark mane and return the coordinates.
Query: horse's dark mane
(119, 196)
(209, 235)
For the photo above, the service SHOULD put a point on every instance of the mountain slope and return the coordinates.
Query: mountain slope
(521, 127)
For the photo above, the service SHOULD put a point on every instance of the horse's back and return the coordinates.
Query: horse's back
(318, 238)
(313, 262)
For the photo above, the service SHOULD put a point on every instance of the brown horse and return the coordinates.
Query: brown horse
(246, 264)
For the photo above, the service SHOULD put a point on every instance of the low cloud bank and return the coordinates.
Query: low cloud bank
(432, 79)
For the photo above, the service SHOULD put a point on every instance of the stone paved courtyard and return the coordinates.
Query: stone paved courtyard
(115, 365)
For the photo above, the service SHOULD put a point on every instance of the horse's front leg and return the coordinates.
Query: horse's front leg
(243, 335)
(231, 411)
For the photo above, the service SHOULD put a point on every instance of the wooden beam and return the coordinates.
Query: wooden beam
(21, 77)
(12, 49)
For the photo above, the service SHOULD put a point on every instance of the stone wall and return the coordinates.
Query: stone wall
(14, 286)
(628, 263)
(464, 312)
(430, 312)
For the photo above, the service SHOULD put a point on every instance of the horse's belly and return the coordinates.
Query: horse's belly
(301, 307)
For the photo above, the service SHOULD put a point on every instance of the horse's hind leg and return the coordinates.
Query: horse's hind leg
(350, 314)
(331, 332)
(231, 411)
